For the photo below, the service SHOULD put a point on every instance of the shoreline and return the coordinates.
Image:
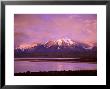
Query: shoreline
(59, 73)
(56, 60)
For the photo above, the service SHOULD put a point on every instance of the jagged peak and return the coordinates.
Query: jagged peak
(26, 46)
(66, 42)
(60, 42)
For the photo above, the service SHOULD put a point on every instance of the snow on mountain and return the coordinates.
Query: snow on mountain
(26, 46)
(56, 48)
(67, 42)
(58, 44)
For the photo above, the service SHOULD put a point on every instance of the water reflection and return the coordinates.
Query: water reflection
(23, 66)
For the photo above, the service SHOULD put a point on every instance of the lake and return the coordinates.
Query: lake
(37, 65)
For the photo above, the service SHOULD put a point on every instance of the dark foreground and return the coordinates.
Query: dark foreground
(60, 73)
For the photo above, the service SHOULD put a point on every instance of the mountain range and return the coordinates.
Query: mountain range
(56, 48)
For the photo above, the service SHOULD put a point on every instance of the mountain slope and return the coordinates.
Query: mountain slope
(56, 48)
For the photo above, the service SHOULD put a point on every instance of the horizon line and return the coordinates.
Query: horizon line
(46, 58)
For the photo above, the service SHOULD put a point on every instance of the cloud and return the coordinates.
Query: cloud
(44, 27)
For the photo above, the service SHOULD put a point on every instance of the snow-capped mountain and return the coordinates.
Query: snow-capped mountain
(59, 44)
(67, 43)
(26, 46)
(62, 47)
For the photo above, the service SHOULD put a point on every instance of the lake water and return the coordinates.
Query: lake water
(39, 65)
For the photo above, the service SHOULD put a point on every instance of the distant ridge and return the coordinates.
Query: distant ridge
(57, 48)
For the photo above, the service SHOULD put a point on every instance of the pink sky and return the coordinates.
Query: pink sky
(30, 28)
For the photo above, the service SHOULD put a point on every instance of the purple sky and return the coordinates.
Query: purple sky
(30, 28)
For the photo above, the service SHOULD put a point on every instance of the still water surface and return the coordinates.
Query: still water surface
(36, 66)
